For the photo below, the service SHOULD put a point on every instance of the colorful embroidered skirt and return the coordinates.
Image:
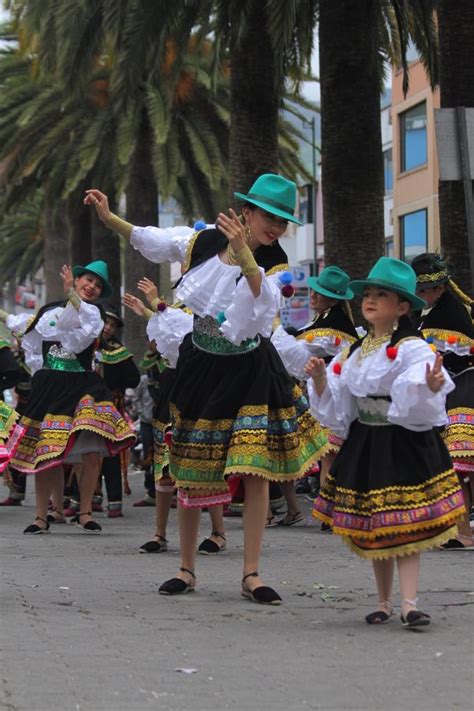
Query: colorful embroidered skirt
(64, 412)
(459, 433)
(161, 425)
(237, 415)
(10, 434)
(391, 491)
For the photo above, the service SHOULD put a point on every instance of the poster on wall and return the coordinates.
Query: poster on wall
(296, 311)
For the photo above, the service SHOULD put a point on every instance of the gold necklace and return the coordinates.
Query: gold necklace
(372, 343)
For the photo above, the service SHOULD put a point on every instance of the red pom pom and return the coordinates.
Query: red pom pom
(287, 291)
(337, 368)
(168, 438)
(161, 306)
(471, 350)
(452, 339)
(337, 341)
(392, 352)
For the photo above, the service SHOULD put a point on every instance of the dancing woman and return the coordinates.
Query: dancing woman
(234, 407)
(70, 415)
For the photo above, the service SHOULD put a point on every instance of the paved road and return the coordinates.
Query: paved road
(83, 626)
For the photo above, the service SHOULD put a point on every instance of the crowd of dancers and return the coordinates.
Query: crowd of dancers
(241, 405)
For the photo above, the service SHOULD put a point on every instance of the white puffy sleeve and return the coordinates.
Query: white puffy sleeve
(168, 329)
(293, 352)
(74, 329)
(159, 244)
(31, 342)
(17, 323)
(248, 315)
(336, 408)
(414, 405)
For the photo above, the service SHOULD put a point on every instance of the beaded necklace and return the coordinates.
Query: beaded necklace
(372, 343)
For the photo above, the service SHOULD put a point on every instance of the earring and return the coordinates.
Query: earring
(395, 325)
(248, 234)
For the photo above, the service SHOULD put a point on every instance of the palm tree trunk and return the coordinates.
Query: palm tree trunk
(455, 20)
(56, 247)
(80, 231)
(352, 164)
(142, 209)
(255, 99)
(105, 245)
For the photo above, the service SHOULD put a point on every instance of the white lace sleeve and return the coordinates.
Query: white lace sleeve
(168, 329)
(293, 352)
(74, 329)
(158, 244)
(336, 408)
(414, 405)
(17, 323)
(248, 316)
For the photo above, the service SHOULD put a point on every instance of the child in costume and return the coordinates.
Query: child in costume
(446, 322)
(331, 330)
(392, 491)
(9, 376)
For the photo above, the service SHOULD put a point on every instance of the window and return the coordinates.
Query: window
(413, 234)
(388, 171)
(413, 138)
(389, 247)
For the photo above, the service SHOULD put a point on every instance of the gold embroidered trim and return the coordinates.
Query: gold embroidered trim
(422, 278)
(189, 251)
(277, 268)
(441, 334)
(322, 332)
(404, 548)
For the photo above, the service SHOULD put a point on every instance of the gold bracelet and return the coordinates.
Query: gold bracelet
(147, 314)
(245, 259)
(155, 303)
(74, 299)
(115, 223)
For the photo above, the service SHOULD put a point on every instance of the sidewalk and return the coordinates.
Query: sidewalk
(83, 626)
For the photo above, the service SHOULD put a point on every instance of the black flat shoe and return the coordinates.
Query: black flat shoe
(89, 527)
(35, 530)
(51, 518)
(209, 547)
(379, 617)
(263, 595)
(160, 546)
(176, 586)
(415, 618)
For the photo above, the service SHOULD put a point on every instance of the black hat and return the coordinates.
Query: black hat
(430, 269)
(113, 312)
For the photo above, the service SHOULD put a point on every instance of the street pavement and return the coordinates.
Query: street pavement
(84, 629)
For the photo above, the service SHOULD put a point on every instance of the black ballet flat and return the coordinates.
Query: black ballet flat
(379, 617)
(209, 547)
(176, 586)
(415, 618)
(89, 527)
(263, 595)
(35, 530)
(160, 546)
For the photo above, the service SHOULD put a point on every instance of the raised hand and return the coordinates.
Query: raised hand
(147, 287)
(434, 376)
(134, 303)
(233, 229)
(316, 369)
(100, 202)
(67, 277)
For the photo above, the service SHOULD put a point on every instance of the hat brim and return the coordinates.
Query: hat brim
(116, 318)
(269, 208)
(359, 285)
(106, 287)
(314, 284)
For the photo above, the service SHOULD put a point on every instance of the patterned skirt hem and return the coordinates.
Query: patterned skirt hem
(405, 548)
(199, 502)
(9, 449)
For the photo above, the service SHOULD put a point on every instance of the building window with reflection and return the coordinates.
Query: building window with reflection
(388, 171)
(413, 138)
(389, 247)
(413, 234)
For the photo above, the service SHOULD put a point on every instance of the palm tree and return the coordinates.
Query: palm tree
(356, 37)
(456, 21)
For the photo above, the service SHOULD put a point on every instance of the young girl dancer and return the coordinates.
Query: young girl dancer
(391, 491)
(70, 415)
(235, 410)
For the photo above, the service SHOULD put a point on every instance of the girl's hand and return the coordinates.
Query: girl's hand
(134, 303)
(100, 202)
(233, 229)
(147, 287)
(316, 368)
(434, 376)
(67, 277)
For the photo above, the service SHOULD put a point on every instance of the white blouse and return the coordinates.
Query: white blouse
(211, 288)
(413, 405)
(74, 329)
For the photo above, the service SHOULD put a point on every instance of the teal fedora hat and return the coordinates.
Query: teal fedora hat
(274, 194)
(332, 282)
(394, 275)
(99, 269)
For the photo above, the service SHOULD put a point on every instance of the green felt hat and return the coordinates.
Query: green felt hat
(99, 269)
(332, 282)
(274, 194)
(394, 275)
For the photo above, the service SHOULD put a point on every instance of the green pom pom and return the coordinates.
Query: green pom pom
(52, 323)
(220, 318)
